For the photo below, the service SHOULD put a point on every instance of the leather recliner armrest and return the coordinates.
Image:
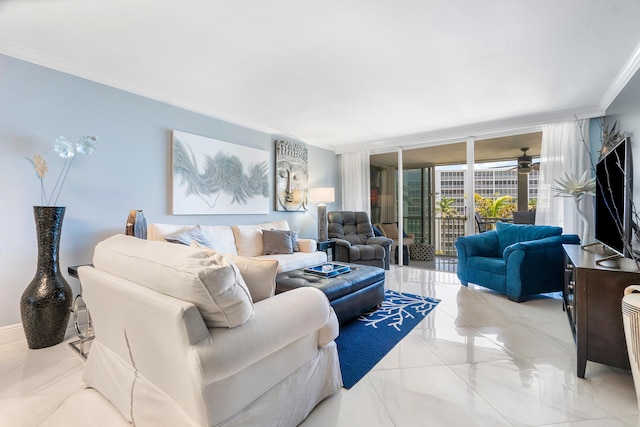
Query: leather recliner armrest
(343, 243)
(377, 240)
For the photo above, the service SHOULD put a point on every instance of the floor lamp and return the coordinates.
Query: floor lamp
(322, 196)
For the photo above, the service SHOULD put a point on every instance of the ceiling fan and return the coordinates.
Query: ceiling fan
(525, 162)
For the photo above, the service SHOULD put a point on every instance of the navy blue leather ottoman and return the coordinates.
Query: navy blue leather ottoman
(350, 294)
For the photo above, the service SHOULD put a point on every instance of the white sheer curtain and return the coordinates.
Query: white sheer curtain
(356, 183)
(564, 151)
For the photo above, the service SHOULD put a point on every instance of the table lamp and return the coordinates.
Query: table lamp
(322, 196)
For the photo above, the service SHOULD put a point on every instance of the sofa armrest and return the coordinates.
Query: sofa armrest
(307, 245)
(541, 244)
(536, 266)
(276, 323)
(342, 243)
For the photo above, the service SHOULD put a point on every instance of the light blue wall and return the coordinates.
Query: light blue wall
(129, 170)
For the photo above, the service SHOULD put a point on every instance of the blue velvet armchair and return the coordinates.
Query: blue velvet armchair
(517, 260)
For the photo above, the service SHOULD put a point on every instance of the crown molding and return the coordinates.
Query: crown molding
(626, 73)
(56, 64)
(490, 129)
(485, 130)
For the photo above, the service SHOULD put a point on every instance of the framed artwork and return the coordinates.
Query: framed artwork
(212, 177)
(292, 176)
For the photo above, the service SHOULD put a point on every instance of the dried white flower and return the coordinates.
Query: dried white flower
(39, 165)
(86, 145)
(67, 150)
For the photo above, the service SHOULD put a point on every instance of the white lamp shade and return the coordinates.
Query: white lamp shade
(322, 195)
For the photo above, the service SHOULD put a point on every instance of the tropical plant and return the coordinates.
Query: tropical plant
(445, 207)
(496, 207)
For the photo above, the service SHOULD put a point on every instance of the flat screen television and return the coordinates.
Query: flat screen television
(613, 222)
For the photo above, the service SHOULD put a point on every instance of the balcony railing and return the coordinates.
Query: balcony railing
(446, 231)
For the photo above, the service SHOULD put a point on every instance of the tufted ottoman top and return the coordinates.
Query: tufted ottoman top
(360, 277)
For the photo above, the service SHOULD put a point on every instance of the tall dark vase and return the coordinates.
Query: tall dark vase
(45, 303)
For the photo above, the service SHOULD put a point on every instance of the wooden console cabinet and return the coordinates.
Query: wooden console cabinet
(592, 299)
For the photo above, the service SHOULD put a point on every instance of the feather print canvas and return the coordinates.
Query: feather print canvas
(217, 177)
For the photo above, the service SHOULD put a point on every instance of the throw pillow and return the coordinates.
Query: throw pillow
(258, 274)
(187, 236)
(276, 242)
(294, 241)
(376, 231)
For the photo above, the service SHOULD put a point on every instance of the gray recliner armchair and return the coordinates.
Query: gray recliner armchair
(355, 241)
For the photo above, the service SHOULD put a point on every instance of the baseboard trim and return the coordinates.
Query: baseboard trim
(11, 333)
(15, 332)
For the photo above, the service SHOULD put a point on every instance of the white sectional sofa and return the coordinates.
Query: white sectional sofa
(247, 241)
(185, 338)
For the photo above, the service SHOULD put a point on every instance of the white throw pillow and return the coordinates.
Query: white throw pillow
(202, 277)
(258, 274)
(185, 237)
(249, 237)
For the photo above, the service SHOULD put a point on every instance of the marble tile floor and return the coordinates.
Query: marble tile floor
(477, 360)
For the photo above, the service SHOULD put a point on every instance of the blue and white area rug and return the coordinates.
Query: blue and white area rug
(364, 341)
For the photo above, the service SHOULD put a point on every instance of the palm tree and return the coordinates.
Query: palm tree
(446, 208)
(498, 207)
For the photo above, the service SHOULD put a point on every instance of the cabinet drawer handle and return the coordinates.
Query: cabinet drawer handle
(571, 285)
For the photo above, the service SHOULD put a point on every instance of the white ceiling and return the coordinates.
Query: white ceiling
(345, 74)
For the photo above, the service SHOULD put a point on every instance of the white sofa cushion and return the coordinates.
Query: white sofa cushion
(296, 260)
(221, 236)
(249, 237)
(200, 276)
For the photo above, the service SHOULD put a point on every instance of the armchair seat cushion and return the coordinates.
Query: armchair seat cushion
(390, 230)
(488, 270)
(491, 264)
(366, 252)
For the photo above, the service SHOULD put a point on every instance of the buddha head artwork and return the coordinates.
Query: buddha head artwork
(292, 174)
